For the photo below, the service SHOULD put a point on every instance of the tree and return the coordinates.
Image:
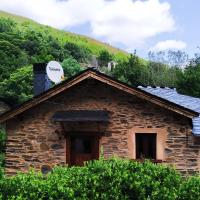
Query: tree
(11, 57)
(104, 57)
(7, 25)
(71, 67)
(56, 50)
(162, 75)
(189, 81)
(18, 87)
(171, 58)
(36, 46)
(81, 54)
(132, 71)
(177, 58)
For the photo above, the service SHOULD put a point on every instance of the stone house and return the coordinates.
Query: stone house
(71, 122)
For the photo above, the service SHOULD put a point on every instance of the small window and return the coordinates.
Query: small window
(145, 145)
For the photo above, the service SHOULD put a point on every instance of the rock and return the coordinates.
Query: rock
(56, 146)
(44, 147)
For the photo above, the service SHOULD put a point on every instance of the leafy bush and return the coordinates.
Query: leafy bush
(132, 71)
(104, 179)
(18, 87)
(22, 44)
(6, 25)
(189, 82)
(2, 159)
(71, 67)
(190, 189)
(104, 57)
(81, 54)
(1, 174)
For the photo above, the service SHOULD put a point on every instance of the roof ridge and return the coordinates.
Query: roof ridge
(95, 74)
(155, 87)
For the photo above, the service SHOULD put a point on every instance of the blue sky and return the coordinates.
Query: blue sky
(187, 15)
(128, 24)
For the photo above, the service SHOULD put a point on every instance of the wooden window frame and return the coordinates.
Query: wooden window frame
(141, 138)
(69, 134)
(160, 141)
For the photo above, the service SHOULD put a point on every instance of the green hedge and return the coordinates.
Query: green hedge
(104, 179)
(190, 189)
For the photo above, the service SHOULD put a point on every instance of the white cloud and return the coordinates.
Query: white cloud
(59, 14)
(127, 22)
(133, 22)
(169, 44)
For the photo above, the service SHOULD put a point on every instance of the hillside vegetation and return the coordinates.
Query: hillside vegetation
(24, 42)
(95, 46)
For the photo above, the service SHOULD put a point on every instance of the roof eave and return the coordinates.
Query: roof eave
(91, 73)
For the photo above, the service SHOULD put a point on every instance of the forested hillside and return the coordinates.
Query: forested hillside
(24, 42)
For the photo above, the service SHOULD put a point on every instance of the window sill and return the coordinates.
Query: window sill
(151, 160)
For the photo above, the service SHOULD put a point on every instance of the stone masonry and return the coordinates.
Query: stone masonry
(34, 140)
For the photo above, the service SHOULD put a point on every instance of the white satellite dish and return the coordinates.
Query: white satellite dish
(55, 71)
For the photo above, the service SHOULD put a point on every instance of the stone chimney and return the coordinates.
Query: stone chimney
(41, 82)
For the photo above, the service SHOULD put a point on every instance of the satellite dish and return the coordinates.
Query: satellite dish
(55, 72)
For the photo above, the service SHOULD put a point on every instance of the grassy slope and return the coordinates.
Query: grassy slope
(15, 17)
(94, 45)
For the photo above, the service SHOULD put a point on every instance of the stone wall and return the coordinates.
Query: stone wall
(34, 140)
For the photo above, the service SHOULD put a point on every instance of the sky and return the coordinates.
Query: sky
(143, 25)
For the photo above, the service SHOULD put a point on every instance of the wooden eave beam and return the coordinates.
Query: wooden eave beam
(142, 95)
(104, 79)
(44, 97)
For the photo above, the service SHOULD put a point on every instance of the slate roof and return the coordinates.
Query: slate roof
(182, 100)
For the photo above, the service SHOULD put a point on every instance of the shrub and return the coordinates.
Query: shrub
(71, 67)
(103, 179)
(81, 54)
(18, 87)
(26, 186)
(190, 188)
(112, 179)
(104, 57)
(1, 174)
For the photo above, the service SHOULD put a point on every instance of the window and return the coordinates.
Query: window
(158, 138)
(145, 145)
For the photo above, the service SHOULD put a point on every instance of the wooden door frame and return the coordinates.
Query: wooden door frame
(95, 135)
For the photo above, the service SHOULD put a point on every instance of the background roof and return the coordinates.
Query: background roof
(182, 100)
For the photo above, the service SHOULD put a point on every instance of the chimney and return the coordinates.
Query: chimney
(41, 81)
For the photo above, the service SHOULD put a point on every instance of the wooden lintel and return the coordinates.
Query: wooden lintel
(84, 133)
